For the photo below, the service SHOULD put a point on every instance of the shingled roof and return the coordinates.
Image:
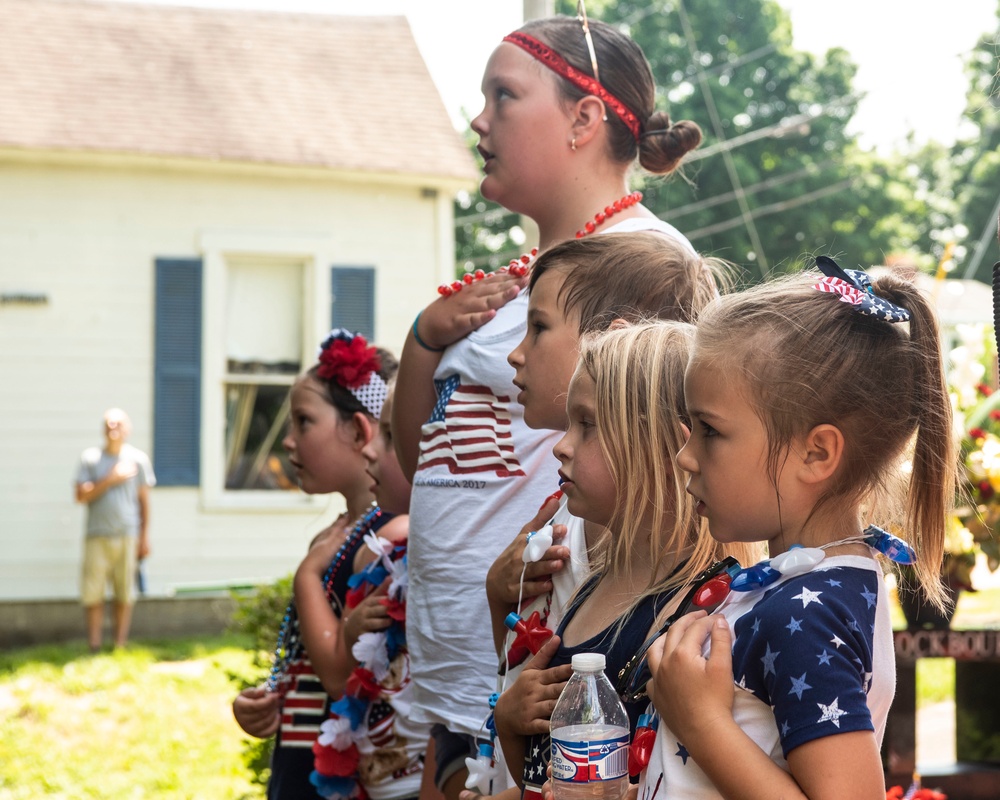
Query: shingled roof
(346, 92)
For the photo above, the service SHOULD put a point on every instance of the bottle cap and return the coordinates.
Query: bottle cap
(589, 662)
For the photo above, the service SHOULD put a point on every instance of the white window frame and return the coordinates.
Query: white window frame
(218, 248)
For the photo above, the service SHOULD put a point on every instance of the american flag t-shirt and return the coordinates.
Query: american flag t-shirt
(469, 431)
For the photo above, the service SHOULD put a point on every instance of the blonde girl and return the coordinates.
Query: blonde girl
(810, 398)
(618, 465)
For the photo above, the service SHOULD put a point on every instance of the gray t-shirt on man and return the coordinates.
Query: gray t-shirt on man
(116, 512)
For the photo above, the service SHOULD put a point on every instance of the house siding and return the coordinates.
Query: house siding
(86, 238)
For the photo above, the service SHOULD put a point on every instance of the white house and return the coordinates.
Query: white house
(189, 200)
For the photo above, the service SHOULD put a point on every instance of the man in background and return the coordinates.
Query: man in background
(114, 482)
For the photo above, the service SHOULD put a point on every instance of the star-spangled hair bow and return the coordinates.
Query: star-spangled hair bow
(855, 287)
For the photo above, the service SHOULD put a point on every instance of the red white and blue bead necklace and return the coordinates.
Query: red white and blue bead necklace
(288, 647)
(519, 266)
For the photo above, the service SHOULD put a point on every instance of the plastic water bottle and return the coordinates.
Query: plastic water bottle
(590, 735)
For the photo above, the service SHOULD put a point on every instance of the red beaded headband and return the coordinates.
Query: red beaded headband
(581, 80)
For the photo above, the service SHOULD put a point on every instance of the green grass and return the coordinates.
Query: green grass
(155, 720)
(151, 721)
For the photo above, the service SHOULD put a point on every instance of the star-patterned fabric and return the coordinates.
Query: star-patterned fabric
(855, 288)
(812, 657)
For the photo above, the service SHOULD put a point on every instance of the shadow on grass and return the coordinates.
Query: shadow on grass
(158, 650)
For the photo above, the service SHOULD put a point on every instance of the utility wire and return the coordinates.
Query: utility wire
(778, 180)
(983, 243)
(774, 208)
(779, 128)
(726, 154)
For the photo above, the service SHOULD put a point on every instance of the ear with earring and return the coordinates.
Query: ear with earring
(572, 145)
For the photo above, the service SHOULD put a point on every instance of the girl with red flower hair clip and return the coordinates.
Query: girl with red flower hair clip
(370, 746)
(334, 410)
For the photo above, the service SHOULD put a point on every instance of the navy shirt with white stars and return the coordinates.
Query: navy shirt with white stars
(812, 657)
(805, 649)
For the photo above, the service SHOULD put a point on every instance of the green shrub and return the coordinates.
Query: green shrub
(258, 615)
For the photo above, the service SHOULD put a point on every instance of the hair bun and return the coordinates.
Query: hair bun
(663, 144)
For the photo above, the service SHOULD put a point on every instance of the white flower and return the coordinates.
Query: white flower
(381, 548)
(400, 581)
(370, 650)
(538, 542)
(336, 732)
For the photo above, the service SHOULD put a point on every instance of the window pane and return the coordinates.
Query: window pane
(256, 417)
(263, 315)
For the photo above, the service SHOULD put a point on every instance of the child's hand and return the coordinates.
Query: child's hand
(503, 581)
(258, 711)
(526, 707)
(693, 693)
(322, 550)
(514, 793)
(448, 319)
(367, 616)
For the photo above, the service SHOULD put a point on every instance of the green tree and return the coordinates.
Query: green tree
(777, 178)
(977, 157)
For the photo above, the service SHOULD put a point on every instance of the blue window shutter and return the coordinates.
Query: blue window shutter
(353, 290)
(177, 372)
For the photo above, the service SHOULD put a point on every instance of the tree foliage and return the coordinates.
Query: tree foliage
(977, 157)
(777, 178)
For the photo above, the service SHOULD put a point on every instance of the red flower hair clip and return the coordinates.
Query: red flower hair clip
(347, 358)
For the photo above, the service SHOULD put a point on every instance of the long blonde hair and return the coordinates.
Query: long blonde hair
(638, 374)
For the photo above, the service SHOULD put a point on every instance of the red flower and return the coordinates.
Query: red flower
(986, 490)
(362, 684)
(977, 433)
(330, 761)
(349, 363)
(984, 390)
(355, 596)
(896, 793)
(394, 608)
(995, 414)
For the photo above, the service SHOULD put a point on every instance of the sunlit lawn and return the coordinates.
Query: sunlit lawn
(152, 721)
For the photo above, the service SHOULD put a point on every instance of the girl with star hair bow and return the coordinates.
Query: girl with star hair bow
(334, 409)
(811, 399)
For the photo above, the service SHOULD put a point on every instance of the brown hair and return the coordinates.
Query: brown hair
(630, 276)
(805, 358)
(625, 73)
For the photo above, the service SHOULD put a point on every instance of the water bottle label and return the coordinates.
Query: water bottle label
(590, 761)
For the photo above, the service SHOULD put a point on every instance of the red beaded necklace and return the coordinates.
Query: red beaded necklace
(519, 266)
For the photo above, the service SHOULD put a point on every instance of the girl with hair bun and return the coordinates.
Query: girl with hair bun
(569, 109)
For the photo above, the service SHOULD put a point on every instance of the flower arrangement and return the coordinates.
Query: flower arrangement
(972, 529)
(915, 792)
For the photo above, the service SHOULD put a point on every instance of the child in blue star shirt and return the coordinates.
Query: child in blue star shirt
(809, 397)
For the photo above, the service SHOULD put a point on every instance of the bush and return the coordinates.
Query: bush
(259, 614)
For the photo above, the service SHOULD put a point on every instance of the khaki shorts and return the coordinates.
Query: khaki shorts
(108, 559)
